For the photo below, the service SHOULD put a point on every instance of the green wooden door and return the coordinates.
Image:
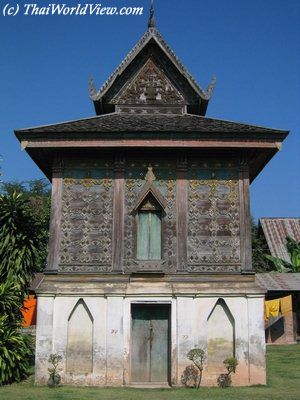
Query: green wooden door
(150, 344)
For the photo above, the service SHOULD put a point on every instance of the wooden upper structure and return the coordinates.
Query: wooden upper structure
(150, 120)
(151, 79)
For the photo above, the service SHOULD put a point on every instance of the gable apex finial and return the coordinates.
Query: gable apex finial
(150, 177)
(152, 23)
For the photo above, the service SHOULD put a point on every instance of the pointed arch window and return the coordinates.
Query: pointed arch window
(149, 212)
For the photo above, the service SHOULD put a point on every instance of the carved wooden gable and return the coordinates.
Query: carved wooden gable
(151, 78)
(150, 87)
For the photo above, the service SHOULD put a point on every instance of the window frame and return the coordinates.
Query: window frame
(149, 204)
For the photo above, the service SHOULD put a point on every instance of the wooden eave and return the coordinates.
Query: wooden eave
(43, 149)
(150, 132)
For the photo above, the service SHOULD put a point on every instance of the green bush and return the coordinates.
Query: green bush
(224, 380)
(15, 352)
(190, 376)
(18, 243)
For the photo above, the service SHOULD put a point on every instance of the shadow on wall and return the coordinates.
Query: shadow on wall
(275, 330)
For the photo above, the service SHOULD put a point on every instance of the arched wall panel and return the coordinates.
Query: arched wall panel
(220, 335)
(80, 340)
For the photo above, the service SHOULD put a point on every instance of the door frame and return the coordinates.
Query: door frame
(167, 304)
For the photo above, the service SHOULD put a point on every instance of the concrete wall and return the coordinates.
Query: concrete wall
(111, 340)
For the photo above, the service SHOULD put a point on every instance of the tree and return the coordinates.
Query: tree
(19, 241)
(37, 194)
(293, 249)
(197, 356)
(259, 249)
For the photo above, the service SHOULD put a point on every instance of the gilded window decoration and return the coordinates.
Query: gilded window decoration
(165, 183)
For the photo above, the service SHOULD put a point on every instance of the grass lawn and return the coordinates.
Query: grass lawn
(283, 383)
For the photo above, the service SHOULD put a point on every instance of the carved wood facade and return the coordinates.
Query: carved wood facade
(203, 225)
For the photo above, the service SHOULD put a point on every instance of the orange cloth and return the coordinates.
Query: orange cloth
(29, 312)
(286, 305)
(272, 308)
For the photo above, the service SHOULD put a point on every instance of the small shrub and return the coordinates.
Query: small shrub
(54, 377)
(224, 380)
(197, 356)
(190, 376)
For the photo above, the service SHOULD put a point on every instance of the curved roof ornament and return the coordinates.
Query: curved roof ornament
(92, 89)
(151, 22)
(210, 87)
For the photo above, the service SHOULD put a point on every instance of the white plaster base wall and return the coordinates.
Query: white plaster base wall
(112, 335)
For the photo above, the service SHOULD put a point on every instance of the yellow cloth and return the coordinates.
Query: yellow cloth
(286, 304)
(272, 308)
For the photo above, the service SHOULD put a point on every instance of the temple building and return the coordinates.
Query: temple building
(150, 238)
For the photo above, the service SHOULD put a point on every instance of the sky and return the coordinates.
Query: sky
(253, 48)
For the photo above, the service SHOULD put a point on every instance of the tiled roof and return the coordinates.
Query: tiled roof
(276, 230)
(273, 281)
(118, 122)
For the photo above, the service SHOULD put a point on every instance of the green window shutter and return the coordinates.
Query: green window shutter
(143, 236)
(155, 236)
(149, 236)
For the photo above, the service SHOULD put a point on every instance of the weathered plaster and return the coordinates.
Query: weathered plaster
(111, 316)
(44, 337)
(79, 355)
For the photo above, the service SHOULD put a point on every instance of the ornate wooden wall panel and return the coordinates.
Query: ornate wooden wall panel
(214, 219)
(165, 182)
(87, 219)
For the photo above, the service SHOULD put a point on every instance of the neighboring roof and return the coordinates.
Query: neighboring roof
(151, 34)
(121, 122)
(273, 281)
(276, 230)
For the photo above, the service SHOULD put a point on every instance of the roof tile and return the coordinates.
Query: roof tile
(121, 122)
